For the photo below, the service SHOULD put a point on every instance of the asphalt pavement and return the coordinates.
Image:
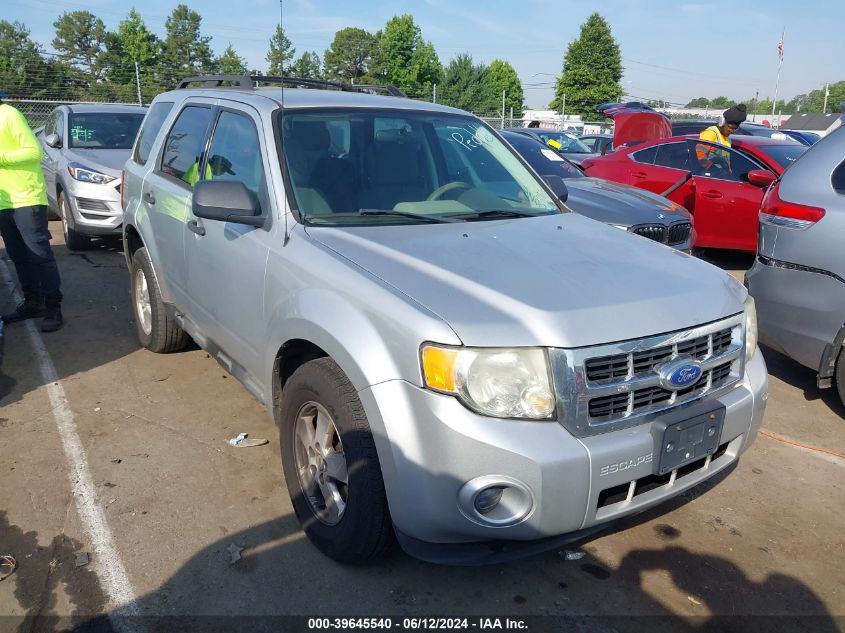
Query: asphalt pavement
(119, 494)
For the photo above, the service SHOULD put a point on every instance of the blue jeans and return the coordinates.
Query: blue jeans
(27, 238)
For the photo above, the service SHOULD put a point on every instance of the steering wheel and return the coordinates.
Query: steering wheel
(449, 186)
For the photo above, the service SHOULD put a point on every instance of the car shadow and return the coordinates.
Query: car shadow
(795, 374)
(99, 326)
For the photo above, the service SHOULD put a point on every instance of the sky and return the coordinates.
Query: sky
(671, 51)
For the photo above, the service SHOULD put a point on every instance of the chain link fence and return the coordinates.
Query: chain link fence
(36, 111)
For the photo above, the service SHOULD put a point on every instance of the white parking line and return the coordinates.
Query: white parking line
(109, 566)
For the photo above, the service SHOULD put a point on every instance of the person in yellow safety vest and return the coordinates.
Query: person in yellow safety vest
(23, 222)
(215, 166)
(719, 134)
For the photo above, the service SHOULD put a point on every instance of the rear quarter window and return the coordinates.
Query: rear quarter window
(149, 130)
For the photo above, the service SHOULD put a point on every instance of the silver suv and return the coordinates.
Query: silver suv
(85, 147)
(798, 278)
(452, 357)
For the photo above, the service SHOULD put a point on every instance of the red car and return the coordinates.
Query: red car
(723, 189)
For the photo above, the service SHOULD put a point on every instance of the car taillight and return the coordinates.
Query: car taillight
(792, 215)
(122, 189)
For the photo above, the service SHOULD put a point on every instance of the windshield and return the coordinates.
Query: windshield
(103, 130)
(564, 142)
(784, 155)
(367, 166)
(544, 160)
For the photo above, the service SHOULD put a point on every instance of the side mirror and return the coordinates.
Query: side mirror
(761, 177)
(225, 201)
(558, 187)
(53, 140)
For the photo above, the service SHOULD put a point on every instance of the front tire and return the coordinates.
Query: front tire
(156, 327)
(331, 465)
(74, 240)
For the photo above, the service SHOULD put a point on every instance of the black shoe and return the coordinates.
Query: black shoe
(27, 310)
(52, 320)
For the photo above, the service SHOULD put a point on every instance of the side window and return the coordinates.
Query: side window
(645, 155)
(184, 144)
(590, 143)
(674, 155)
(837, 179)
(235, 152)
(149, 130)
(716, 161)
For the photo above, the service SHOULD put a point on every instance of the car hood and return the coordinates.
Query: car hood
(620, 204)
(635, 123)
(107, 161)
(555, 281)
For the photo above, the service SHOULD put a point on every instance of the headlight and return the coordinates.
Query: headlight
(620, 226)
(501, 383)
(750, 328)
(83, 174)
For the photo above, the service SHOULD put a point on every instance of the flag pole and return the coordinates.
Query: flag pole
(777, 81)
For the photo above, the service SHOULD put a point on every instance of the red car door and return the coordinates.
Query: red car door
(668, 166)
(726, 205)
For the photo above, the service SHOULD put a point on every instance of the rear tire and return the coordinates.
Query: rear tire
(840, 375)
(156, 326)
(74, 240)
(325, 438)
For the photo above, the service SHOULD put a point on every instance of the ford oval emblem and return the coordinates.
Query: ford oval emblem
(679, 374)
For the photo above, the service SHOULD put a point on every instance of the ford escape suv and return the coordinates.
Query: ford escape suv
(454, 360)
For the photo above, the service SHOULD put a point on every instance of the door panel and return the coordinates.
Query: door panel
(726, 213)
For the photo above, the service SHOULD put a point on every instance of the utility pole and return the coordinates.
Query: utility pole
(434, 93)
(138, 84)
(563, 112)
(503, 109)
(826, 94)
(777, 81)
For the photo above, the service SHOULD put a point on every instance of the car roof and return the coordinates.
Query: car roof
(106, 107)
(310, 98)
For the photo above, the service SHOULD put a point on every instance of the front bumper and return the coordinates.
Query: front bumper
(430, 447)
(95, 209)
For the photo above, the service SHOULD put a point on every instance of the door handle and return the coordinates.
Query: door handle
(195, 227)
(639, 174)
(149, 198)
(712, 194)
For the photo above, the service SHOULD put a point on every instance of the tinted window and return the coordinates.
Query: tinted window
(235, 153)
(150, 129)
(564, 142)
(716, 161)
(591, 143)
(838, 179)
(544, 160)
(784, 155)
(184, 144)
(645, 155)
(103, 130)
(674, 155)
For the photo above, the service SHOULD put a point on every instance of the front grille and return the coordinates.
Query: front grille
(656, 232)
(679, 233)
(616, 366)
(606, 387)
(89, 204)
(617, 404)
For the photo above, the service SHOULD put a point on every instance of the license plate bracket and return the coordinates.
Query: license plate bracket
(681, 438)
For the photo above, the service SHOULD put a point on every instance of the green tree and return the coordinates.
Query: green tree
(406, 59)
(138, 42)
(722, 102)
(815, 100)
(592, 70)
(280, 54)
(23, 72)
(80, 41)
(307, 66)
(230, 63)
(501, 76)
(700, 102)
(185, 51)
(351, 55)
(463, 85)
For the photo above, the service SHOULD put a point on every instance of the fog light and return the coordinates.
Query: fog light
(488, 499)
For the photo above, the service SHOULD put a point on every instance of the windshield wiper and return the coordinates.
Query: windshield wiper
(407, 214)
(498, 213)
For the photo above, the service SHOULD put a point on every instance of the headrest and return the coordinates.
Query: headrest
(311, 135)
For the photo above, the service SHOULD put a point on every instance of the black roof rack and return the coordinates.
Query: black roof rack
(250, 82)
